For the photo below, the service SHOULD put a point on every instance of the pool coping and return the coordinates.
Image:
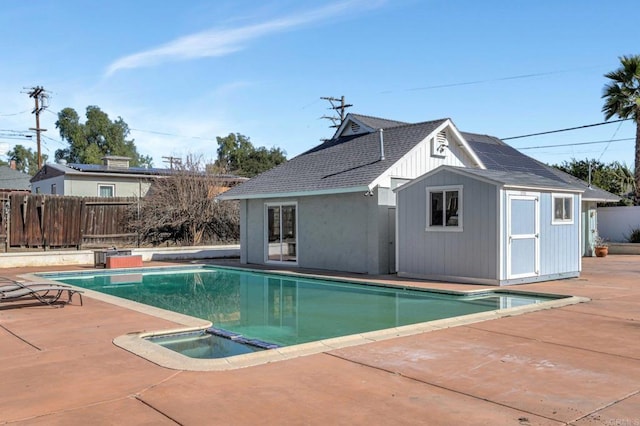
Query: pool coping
(136, 343)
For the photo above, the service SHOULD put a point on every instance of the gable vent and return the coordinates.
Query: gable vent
(439, 144)
(355, 127)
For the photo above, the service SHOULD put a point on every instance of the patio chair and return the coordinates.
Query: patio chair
(8, 284)
(47, 294)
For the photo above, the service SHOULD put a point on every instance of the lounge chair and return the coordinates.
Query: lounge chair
(44, 293)
(7, 284)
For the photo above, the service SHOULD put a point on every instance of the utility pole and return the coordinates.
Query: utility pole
(341, 107)
(41, 99)
(172, 160)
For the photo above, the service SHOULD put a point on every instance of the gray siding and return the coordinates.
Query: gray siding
(471, 253)
(341, 232)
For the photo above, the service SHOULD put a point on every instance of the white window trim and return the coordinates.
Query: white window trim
(102, 185)
(266, 233)
(443, 228)
(555, 221)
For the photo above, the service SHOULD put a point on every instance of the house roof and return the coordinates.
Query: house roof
(344, 164)
(352, 163)
(13, 180)
(377, 122)
(497, 155)
(76, 169)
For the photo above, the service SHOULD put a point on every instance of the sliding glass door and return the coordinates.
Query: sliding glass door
(281, 233)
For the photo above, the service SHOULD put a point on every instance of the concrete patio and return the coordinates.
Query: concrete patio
(577, 365)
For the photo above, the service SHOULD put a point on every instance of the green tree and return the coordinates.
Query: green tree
(615, 177)
(622, 99)
(26, 159)
(236, 154)
(96, 137)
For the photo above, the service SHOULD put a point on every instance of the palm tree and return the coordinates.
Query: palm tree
(622, 98)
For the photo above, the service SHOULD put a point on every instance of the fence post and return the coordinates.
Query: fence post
(6, 206)
(41, 207)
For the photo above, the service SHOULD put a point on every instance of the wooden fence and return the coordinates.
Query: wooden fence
(50, 221)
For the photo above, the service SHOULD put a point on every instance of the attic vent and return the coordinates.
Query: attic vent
(355, 127)
(440, 144)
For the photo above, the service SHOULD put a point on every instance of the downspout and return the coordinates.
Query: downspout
(381, 133)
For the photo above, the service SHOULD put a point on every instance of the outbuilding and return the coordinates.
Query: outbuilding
(488, 227)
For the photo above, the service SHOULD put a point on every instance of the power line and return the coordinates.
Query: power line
(567, 129)
(575, 144)
(172, 134)
(609, 144)
(490, 80)
(15, 113)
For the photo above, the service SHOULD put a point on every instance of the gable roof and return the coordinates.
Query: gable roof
(371, 123)
(508, 179)
(497, 155)
(13, 180)
(344, 164)
(352, 163)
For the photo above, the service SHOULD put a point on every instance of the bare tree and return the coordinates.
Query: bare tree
(182, 208)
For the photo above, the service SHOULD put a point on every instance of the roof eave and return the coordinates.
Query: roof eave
(544, 188)
(225, 196)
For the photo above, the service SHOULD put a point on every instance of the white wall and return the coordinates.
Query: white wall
(616, 223)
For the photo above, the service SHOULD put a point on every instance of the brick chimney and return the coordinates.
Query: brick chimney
(12, 164)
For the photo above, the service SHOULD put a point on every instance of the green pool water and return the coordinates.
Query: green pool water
(286, 310)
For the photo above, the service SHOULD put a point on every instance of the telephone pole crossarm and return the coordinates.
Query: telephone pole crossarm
(341, 107)
(41, 98)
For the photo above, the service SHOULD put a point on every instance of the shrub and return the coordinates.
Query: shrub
(634, 236)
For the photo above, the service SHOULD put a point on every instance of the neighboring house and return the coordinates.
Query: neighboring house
(333, 207)
(113, 178)
(13, 180)
(488, 227)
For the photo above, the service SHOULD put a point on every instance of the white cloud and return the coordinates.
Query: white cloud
(220, 42)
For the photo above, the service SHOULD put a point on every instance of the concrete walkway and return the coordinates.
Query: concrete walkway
(577, 365)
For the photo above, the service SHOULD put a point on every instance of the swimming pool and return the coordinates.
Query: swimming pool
(286, 310)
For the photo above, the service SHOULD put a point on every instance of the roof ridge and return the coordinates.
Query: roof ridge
(377, 118)
(421, 123)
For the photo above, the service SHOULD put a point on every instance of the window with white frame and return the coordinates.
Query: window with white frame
(562, 209)
(444, 208)
(106, 190)
(53, 189)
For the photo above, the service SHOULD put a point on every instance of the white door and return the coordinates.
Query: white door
(523, 235)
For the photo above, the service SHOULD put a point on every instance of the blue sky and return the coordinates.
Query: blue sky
(181, 73)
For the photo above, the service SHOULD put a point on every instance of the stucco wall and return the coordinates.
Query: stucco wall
(616, 223)
(44, 186)
(336, 232)
(88, 187)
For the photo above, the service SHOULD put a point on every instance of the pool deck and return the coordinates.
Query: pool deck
(577, 365)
